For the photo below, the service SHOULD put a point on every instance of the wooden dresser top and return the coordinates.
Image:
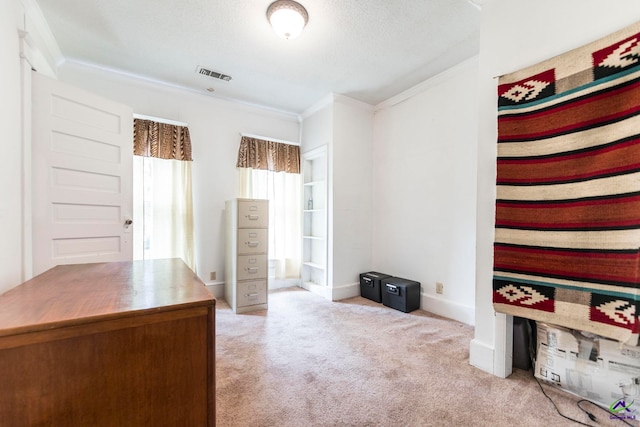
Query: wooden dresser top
(75, 294)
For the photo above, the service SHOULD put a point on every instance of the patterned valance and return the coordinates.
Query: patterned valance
(257, 153)
(567, 230)
(161, 140)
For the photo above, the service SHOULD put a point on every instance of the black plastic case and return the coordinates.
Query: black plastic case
(401, 294)
(370, 285)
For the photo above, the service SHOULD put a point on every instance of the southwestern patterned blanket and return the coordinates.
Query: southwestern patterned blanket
(567, 227)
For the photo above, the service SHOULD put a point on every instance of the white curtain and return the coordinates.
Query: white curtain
(163, 210)
(283, 192)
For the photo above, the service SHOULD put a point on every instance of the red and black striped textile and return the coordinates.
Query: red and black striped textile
(567, 226)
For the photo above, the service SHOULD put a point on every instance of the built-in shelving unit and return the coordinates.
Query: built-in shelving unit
(314, 218)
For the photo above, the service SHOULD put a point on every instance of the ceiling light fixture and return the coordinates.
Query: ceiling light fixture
(287, 18)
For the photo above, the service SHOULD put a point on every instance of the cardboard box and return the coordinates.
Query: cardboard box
(593, 367)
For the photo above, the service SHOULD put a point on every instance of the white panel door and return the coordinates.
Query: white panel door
(82, 176)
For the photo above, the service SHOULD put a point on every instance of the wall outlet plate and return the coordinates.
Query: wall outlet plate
(439, 287)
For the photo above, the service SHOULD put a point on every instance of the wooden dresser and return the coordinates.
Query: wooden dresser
(109, 344)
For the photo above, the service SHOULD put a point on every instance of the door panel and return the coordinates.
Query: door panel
(82, 176)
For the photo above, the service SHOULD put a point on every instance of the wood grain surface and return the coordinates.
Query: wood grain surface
(109, 344)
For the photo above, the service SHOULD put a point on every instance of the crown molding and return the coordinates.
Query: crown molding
(168, 85)
(343, 99)
(476, 3)
(41, 34)
(322, 103)
(332, 98)
(427, 84)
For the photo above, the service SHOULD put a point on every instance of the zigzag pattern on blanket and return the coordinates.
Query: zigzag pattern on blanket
(567, 241)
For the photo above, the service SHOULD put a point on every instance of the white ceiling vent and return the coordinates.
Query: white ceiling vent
(211, 73)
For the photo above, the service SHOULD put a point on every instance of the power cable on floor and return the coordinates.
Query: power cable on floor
(593, 417)
(558, 410)
(589, 414)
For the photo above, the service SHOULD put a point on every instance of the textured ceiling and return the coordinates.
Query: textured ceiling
(369, 50)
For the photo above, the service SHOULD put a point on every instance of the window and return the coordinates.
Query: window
(163, 207)
(271, 170)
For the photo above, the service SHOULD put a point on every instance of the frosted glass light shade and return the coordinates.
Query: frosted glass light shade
(287, 18)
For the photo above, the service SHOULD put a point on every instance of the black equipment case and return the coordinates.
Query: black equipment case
(370, 285)
(401, 294)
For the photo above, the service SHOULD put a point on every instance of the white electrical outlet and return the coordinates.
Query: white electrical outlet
(439, 287)
(212, 275)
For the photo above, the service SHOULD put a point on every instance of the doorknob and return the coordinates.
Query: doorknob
(127, 225)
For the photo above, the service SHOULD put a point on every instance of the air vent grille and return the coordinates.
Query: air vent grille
(210, 73)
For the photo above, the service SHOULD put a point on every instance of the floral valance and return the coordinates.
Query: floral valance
(161, 140)
(258, 153)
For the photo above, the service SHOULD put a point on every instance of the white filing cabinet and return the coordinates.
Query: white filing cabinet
(246, 266)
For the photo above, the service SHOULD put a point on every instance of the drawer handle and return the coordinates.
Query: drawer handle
(252, 270)
(252, 244)
(253, 217)
(251, 295)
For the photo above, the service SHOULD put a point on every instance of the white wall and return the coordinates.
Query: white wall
(11, 224)
(424, 186)
(317, 125)
(352, 160)
(514, 35)
(316, 131)
(345, 126)
(424, 189)
(215, 126)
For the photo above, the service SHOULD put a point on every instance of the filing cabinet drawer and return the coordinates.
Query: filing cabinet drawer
(252, 267)
(252, 241)
(252, 292)
(247, 259)
(253, 214)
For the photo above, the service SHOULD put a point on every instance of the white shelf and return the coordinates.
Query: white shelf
(313, 237)
(314, 226)
(314, 265)
(309, 283)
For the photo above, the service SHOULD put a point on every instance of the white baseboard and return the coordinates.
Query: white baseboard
(345, 291)
(481, 356)
(323, 291)
(216, 288)
(441, 307)
(451, 310)
(336, 293)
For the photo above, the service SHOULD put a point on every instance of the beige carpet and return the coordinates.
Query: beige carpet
(310, 362)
